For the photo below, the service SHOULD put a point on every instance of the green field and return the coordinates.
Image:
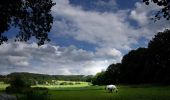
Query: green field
(3, 86)
(81, 84)
(147, 92)
(124, 93)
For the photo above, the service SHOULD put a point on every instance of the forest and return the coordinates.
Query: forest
(141, 66)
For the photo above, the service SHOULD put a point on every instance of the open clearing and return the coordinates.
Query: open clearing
(98, 93)
(3, 86)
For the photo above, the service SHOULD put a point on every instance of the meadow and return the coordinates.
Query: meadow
(124, 93)
(68, 85)
(3, 86)
(87, 92)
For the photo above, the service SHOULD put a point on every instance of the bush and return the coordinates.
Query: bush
(70, 83)
(77, 83)
(35, 94)
(18, 85)
(18, 82)
(10, 90)
(63, 83)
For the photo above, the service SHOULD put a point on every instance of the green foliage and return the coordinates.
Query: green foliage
(42, 78)
(148, 65)
(99, 79)
(32, 17)
(159, 52)
(18, 82)
(133, 66)
(13, 90)
(63, 83)
(18, 85)
(34, 94)
(143, 65)
(88, 78)
(77, 83)
(112, 74)
(35, 79)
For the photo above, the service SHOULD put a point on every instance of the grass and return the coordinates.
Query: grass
(3, 86)
(82, 84)
(86, 92)
(124, 93)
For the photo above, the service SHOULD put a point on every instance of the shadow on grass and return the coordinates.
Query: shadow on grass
(35, 94)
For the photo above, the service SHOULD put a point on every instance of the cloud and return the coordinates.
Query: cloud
(107, 29)
(112, 32)
(52, 59)
(100, 28)
(95, 5)
(142, 14)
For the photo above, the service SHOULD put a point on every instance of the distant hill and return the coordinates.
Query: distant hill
(45, 77)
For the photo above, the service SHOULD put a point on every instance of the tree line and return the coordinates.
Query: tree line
(141, 66)
(33, 79)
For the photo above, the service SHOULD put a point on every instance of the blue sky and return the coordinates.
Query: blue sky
(87, 36)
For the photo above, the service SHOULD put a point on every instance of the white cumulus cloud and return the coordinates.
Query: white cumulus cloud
(52, 59)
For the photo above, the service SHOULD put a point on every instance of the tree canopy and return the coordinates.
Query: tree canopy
(143, 65)
(32, 17)
(165, 8)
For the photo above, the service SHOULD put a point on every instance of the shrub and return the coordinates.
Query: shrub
(18, 85)
(70, 83)
(77, 83)
(35, 94)
(63, 83)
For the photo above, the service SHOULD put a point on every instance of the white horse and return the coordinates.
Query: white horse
(111, 88)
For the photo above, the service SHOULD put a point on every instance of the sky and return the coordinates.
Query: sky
(86, 37)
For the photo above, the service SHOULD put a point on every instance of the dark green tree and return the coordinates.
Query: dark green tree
(159, 51)
(18, 82)
(133, 64)
(32, 17)
(113, 74)
(99, 79)
(148, 65)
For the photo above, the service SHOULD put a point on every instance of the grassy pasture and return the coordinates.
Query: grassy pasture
(3, 86)
(85, 92)
(124, 93)
(81, 84)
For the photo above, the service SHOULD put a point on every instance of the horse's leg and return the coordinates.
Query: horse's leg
(111, 90)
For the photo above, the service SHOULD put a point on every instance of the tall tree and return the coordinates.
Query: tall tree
(112, 74)
(99, 79)
(132, 66)
(159, 50)
(32, 17)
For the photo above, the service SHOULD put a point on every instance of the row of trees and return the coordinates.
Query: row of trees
(143, 65)
(33, 79)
